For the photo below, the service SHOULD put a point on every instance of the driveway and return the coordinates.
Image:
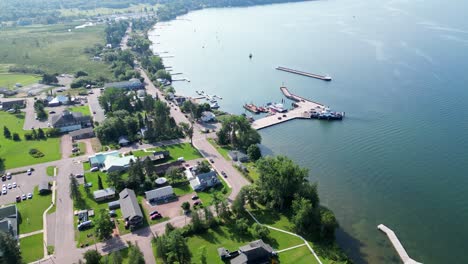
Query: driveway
(96, 109)
(66, 146)
(171, 209)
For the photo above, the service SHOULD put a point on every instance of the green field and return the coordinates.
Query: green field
(30, 212)
(16, 153)
(53, 48)
(84, 109)
(105, 11)
(123, 253)
(32, 248)
(8, 80)
(176, 151)
(300, 255)
(51, 171)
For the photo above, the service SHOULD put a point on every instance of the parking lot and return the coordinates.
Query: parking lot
(30, 116)
(25, 184)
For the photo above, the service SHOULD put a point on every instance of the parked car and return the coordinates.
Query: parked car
(18, 198)
(52, 112)
(9, 186)
(23, 197)
(4, 186)
(153, 213)
(224, 174)
(197, 202)
(29, 195)
(195, 197)
(88, 185)
(30, 170)
(8, 175)
(155, 216)
(4, 191)
(14, 184)
(3, 178)
(79, 175)
(211, 160)
(93, 169)
(112, 213)
(85, 225)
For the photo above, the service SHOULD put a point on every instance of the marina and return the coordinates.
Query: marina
(312, 75)
(397, 245)
(303, 109)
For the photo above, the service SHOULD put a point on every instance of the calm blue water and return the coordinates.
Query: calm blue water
(399, 71)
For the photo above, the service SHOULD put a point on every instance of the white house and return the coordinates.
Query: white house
(208, 116)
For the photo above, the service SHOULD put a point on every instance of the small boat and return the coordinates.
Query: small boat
(276, 107)
(213, 101)
(250, 56)
(214, 106)
(327, 78)
(262, 109)
(252, 108)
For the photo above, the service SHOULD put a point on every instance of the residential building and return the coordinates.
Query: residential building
(70, 121)
(7, 104)
(208, 116)
(123, 141)
(131, 210)
(9, 220)
(114, 205)
(132, 84)
(105, 194)
(44, 187)
(238, 156)
(113, 163)
(160, 194)
(97, 160)
(204, 181)
(256, 252)
(157, 156)
(58, 100)
(82, 133)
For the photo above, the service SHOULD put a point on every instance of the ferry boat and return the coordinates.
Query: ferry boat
(252, 108)
(276, 107)
(327, 114)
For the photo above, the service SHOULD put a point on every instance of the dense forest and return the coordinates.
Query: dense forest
(25, 12)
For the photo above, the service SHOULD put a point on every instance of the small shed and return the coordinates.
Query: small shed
(43, 188)
(101, 195)
(114, 205)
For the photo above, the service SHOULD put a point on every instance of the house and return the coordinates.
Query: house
(132, 84)
(238, 156)
(7, 92)
(158, 156)
(141, 94)
(208, 116)
(114, 205)
(123, 141)
(9, 220)
(256, 252)
(82, 133)
(70, 121)
(204, 180)
(105, 194)
(43, 187)
(113, 163)
(98, 159)
(179, 99)
(131, 210)
(7, 104)
(160, 194)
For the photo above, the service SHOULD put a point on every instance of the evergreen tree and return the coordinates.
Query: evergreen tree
(16, 137)
(254, 153)
(92, 257)
(135, 256)
(100, 187)
(34, 134)
(74, 191)
(6, 132)
(10, 249)
(40, 133)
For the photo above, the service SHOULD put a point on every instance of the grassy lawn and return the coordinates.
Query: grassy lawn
(300, 255)
(207, 196)
(16, 153)
(182, 190)
(9, 80)
(32, 248)
(54, 48)
(123, 253)
(81, 109)
(51, 171)
(176, 151)
(32, 210)
(82, 147)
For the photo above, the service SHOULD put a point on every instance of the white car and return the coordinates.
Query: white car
(93, 169)
(29, 195)
(9, 186)
(4, 186)
(14, 185)
(4, 191)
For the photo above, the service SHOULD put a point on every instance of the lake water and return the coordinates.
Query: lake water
(399, 72)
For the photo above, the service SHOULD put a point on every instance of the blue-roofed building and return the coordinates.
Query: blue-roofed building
(98, 159)
(113, 163)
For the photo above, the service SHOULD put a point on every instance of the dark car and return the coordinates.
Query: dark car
(112, 213)
(18, 198)
(197, 202)
(3, 178)
(211, 160)
(224, 174)
(195, 197)
(155, 216)
(153, 213)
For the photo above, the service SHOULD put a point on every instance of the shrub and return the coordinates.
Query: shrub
(16, 137)
(28, 136)
(36, 153)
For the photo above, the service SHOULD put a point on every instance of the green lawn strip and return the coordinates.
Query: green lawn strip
(55, 48)
(30, 212)
(123, 253)
(10, 79)
(300, 255)
(51, 171)
(82, 147)
(32, 248)
(86, 166)
(207, 196)
(175, 151)
(272, 218)
(84, 109)
(182, 190)
(222, 150)
(16, 153)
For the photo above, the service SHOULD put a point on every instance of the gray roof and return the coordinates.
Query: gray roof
(69, 118)
(9, 220)
(10, 103)
(123, 140)
(43, 186)
(103, 193)
(83, 131)
(129, 204)
(131, 84)
(255, 252)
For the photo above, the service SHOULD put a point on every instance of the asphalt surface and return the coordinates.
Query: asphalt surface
(95, 107)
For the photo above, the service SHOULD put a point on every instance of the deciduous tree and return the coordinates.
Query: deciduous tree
(10, 249)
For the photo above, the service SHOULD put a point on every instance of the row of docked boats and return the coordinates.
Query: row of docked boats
(268, 108)
(326, 114)
(212, 99)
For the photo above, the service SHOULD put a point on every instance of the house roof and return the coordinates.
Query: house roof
(80, 132)
(129, 204)
(7, 104)
(123, 140)
(43, 186)
(130, 84)
(255, 252)
(100, 157)
(67, 118)
(9, 220)
(111, 161)
(103, 193)
(158, 193)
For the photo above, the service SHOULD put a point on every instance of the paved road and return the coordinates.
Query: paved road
(95, 107)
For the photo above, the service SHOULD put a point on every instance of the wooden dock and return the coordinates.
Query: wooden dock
(397, 245)
(302, 111)
(312, 75)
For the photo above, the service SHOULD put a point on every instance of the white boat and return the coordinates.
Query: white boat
(214, 105)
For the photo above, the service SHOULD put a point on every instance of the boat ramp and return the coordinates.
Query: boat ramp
(304, 109)
(397, 245)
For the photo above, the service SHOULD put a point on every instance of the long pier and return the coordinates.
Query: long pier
(397, 245)
(302, 111)
(312, 75)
